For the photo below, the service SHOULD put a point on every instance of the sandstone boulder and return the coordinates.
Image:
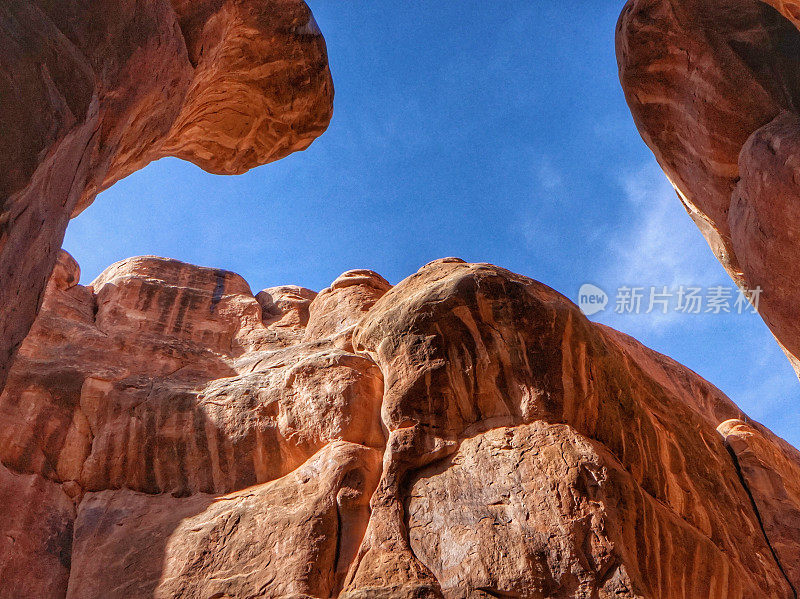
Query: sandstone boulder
(339, 307)
(713, 87)
(465, 349)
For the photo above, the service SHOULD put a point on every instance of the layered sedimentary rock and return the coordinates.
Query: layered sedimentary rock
(93, 91)
(714, 88)
(466, 433)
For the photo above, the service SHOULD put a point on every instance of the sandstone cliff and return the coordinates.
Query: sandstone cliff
(714, 87)
(466, 433)
(94, 90)
(166, 433)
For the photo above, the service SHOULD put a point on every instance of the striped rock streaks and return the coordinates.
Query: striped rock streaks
(468, 348)
(176, 385)
(466, 433)
(714, 86)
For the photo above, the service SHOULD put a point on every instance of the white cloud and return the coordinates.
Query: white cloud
(660, 246)
(663, 246)
(548, 176)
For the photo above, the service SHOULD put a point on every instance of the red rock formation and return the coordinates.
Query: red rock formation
(293, 537)
(714, 88)
(465, 349)
(773, 482)
(466, 433)
(93, 91)
(37, 526)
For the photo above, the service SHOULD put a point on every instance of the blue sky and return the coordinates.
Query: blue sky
(492, 132)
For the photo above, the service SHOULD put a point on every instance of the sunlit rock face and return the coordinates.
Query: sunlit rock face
(95, 90)
(465, 433)
(714, 86)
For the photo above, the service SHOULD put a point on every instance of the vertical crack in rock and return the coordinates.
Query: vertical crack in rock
(771, 473)
(757, 512)
(219, 290)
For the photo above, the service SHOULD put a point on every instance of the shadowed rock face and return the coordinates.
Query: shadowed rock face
(95, 90)
(466, 433)
(714, 88)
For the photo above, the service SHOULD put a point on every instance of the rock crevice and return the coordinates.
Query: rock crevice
(753, 502)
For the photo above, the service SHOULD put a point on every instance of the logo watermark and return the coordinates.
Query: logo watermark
(592, 299)
(685, 299)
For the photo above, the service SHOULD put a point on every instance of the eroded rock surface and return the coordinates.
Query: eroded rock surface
(714, 88)
(466, 433)
(293, 537)
(36, 529)
(93, 91)
(773, 482)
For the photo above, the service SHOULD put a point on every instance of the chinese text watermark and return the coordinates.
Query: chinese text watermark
(685, 299)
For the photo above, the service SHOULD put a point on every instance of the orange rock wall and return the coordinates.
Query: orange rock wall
(466, 433)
